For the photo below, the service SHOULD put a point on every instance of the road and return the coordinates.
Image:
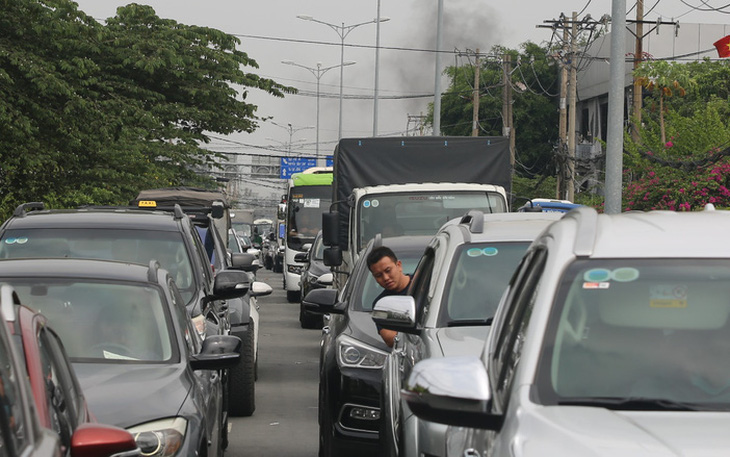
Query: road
(285, 421)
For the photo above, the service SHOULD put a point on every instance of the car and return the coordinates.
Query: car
(168, 234)
(352, 354)
(456, 289)
(548, 205)
(315, 275)
(610, 339)
(59, 400)
(134, 347)
(22, 430)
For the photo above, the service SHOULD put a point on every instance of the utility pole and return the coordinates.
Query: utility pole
(572, 91)
(507, 106)
(475, 97)
(563, 117)
(635, 131)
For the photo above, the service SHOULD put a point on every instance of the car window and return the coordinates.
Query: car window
(421, 282)
(636, 328)
(60, 389)
(103, 321)
(185, 324)
(13, 422)
(476, 280)
(511, 336)
(206, 268)
(370, 288)
(135, 246)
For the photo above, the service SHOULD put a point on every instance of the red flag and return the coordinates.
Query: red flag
(723, 46)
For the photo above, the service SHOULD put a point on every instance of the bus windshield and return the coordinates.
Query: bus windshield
(304, 213)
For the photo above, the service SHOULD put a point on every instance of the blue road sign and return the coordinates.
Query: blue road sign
(291, 165)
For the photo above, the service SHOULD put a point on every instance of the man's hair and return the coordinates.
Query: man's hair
(379, 253)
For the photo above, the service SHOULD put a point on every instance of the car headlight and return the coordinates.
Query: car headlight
(161, 438)
(296, 269)
(352, 353)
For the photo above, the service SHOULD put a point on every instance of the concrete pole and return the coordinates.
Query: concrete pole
(563, 127)
(342, 76)
(572, 91)
(615, 138)
(636, 130)
(377, 76)
(475, 97)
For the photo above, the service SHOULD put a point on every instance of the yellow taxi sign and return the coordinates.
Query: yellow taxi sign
(147, 204)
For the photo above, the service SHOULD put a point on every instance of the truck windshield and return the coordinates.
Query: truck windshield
(304, 213)
(420, 213)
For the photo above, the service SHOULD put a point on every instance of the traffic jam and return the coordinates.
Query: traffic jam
(404, 295)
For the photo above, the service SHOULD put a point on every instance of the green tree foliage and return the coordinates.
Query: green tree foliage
(534, 81)
(91, 113)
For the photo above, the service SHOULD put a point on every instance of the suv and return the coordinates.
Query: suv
(352, 354)
(612, 338)
(456, 289)
(137, 236)
(313, 277)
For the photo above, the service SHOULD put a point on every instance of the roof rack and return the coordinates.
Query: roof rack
(23, 209)
(585, 234)
(8, 299)
(152, 270)
(475, 219)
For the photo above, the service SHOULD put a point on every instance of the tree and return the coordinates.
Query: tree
(92, 113)
(534, 81)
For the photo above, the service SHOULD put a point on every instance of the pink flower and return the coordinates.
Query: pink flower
(669, 144)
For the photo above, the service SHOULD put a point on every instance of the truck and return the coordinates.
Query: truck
(309, 194)
(396, 186)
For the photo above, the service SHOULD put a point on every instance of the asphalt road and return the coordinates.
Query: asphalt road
(285, 421)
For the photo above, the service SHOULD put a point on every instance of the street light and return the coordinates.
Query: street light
(288, 127)
(342, 31)
(318, 71)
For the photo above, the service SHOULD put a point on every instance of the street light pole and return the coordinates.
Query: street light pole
(291, 130)
(318, 72)
(342, 31)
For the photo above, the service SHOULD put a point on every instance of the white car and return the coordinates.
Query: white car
(612, 339)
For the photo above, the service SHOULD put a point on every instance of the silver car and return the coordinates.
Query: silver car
(456, 289)
(612, 339)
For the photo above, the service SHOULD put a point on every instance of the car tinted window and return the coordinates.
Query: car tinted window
(656, 329)
(477, 278)
(62, 401)
(103, 321)
(135, 246)
(13, 422)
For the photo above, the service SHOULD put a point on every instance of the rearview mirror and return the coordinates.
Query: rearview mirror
(330, 228)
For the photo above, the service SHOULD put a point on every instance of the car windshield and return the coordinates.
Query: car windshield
(371, 289)
(623, 331)
(102, 321)
(477, 278)
(420, 213)
(135, 246)
(318, 253)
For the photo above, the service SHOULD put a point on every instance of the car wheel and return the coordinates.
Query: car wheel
(292, 296)
(241, 385)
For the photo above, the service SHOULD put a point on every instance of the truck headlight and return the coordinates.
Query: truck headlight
(161, 438)
(353, 353)
(295, 269)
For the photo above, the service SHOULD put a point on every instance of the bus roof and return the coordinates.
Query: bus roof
(311, 179)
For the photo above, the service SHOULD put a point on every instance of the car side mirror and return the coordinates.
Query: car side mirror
(99, 440)
(396, 312)
(301, 257)
(330, 228)
(218, 352)
(244, 261)
(230, 284)
(323, 301)
(326, 279)
(332, 257)
(260, 289)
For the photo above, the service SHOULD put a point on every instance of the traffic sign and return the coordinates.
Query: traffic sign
(291, 165)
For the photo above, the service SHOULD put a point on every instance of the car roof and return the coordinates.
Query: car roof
(403, 244)
(500, 226)
(76, 268)
(124, 219)
(654, 234)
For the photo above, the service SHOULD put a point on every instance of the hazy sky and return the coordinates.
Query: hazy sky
(270, 32)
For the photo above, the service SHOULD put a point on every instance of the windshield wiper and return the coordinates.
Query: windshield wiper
(470, 322)
(632, 404)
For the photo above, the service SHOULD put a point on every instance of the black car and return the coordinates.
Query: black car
(352, 355)
(312, 278)
(135, 351)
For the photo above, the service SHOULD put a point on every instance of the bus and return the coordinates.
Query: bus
(309, 194)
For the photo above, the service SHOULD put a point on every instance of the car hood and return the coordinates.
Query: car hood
(318, 268)
(128, 394)
(361, 327)
(598, 432)
(457, 341)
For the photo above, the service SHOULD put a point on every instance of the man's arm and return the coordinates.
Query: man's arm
(388, 336)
